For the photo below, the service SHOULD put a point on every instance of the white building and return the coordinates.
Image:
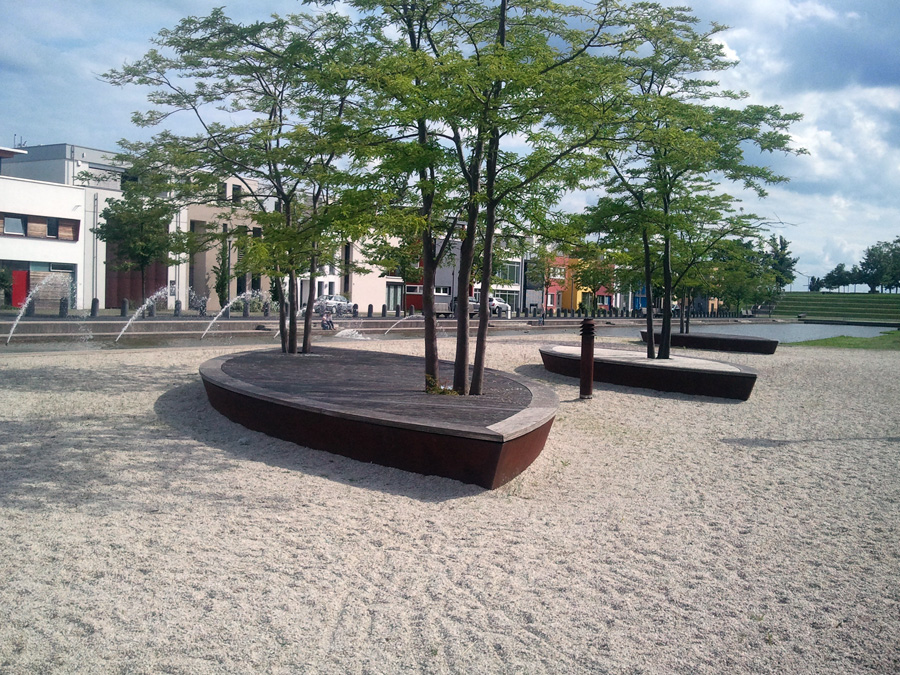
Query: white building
(48, 216)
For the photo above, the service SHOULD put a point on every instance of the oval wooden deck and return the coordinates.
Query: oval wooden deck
(681, 374)
(371, 406)
(720, 342)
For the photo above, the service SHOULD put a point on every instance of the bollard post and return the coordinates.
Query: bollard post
(226, 314)
(267, 309)
(355, 311)
(151, 310)
(124, 307)
(369, 314)
(396, 311)
(178, 308)
(587, 359)
(63, 308)
(246, 313)
(383, 311)
(95, 308)
(29, 308)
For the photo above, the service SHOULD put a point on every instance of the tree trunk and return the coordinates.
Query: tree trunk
(292, 311)
(648, 293)
(466, 258)
(310, 299)
(687, 316)
(665, 341)
(484, 313)
(432, 366)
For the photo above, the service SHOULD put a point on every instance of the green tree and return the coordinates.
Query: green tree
(541, 272)
(837, 278)
(137, 226)
(5, 284)
(744, 275)
(782, 262)
(591, 269)
(270, 102)
(680, 142)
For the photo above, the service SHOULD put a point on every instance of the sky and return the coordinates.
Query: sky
(835, 61)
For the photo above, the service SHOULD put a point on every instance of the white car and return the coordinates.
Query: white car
(495, 304)
(336, 304)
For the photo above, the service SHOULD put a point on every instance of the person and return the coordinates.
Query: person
(327, 323)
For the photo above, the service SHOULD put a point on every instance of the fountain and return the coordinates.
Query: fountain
(351, 334)
(411, 316)
(161, 293)
(243, 296)
(30, 297)
(197, 302)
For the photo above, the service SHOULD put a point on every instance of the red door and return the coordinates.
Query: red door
(19, 287)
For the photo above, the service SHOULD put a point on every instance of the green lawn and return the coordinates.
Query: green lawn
(889, 340)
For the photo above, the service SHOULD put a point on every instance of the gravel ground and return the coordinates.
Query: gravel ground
(141, 532)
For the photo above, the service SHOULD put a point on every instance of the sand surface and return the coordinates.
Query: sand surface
(141, 532)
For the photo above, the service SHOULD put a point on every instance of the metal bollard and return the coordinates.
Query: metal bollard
(124, 307)
(95, 308)
(267, 309)
(178, 308)
(151, 310)
(383, 311)
(369, 315)
(355, 311)
(63, 308)
(246, 313)
(587, 359)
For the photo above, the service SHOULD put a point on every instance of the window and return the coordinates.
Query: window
(557, 272)
(509, 271)
(550, 299)
(415, 290)
(15, 225)
(236, 191)
(53, 228)
(442, 290)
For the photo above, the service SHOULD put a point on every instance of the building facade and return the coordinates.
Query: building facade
(51, 197)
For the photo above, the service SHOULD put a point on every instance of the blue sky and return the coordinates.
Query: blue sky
(837, 62)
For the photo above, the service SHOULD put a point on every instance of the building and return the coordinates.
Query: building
(51, 196)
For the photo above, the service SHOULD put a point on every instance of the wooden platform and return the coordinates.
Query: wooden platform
(748, 344)
(372, 407)
(680, 374)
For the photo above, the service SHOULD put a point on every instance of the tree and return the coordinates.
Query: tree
(744, 275)
(837, 278)
(591, 269)
(660, 185)
(541, 272)
(270, 102)
(782, 262)
(137, 226)
(5, 284)
(880, 265)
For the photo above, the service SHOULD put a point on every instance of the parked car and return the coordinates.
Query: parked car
(496, 303)
(493, 305)
(336, 304)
